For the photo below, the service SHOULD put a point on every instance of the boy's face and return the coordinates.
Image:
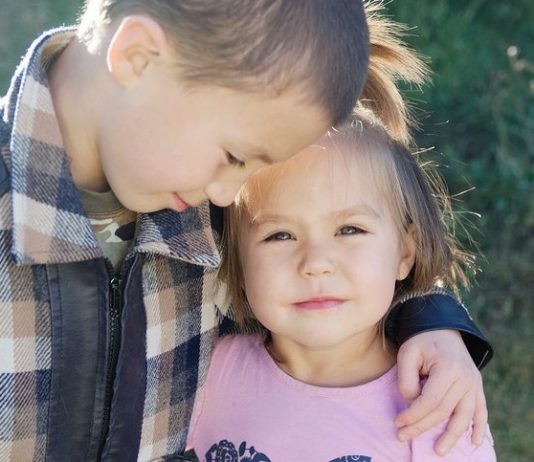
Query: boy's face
(322, 252)
(162, 146)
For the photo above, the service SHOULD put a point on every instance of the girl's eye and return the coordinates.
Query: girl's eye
(232, 160)
(279, 236)
(350, 230)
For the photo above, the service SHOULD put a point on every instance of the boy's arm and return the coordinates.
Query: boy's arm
(438, 310)
(430, 328)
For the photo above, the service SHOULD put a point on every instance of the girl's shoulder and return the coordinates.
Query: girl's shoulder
(230, 344)
(233, 350)
(232, 357)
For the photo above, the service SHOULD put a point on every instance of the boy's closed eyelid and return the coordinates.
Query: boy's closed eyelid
(233, 160)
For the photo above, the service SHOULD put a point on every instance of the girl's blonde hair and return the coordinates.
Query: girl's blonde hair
(390, 60)
(377, 133)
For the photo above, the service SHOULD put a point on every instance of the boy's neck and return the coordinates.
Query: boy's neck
(355, 362)
(77, 89)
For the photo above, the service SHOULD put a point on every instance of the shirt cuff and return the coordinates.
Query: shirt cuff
(437, 311)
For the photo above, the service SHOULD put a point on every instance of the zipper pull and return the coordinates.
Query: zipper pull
(115, 299)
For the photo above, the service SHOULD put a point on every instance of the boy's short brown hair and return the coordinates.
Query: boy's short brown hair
(321, 47)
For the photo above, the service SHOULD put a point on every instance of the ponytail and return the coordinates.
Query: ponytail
(390, 60)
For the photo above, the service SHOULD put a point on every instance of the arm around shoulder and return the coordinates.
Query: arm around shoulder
(436, 311)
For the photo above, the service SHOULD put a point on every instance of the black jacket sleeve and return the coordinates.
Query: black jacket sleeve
(437, 311)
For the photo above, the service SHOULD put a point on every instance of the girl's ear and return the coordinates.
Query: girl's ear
(137, 42)
(408, 250)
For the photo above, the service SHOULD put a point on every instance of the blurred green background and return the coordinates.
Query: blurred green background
(479, 115)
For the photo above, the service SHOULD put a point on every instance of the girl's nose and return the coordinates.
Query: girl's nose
(317, 261)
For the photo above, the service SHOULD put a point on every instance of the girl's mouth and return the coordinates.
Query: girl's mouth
(319, 303)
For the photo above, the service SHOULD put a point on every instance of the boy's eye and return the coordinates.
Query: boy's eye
(279, 236)
(349, 230)
(232, 160)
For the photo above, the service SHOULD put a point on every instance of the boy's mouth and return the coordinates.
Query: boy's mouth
(178, 203)
(319, 303)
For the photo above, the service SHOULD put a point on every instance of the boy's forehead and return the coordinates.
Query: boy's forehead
(247, 124)
(284, 125)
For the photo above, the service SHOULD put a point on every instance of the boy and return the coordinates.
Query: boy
(113, 136)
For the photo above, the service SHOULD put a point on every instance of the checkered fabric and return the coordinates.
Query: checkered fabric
(42, 222)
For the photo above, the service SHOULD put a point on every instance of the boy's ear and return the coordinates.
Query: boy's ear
(137, 42)
(408, 250)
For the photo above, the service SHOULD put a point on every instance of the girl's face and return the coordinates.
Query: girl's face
(321, 251)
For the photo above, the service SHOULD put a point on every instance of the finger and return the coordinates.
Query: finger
(409, 364)
(439, 413)
(459, 422)
(434, 390)
(480, 420)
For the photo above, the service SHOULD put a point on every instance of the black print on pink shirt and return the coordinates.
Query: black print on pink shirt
(352, 459)
(225, 451)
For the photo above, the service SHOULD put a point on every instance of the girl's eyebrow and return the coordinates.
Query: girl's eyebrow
(270, 218)
(358, 210)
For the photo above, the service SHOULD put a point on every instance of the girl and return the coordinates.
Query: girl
(320, 248)
(262, 272)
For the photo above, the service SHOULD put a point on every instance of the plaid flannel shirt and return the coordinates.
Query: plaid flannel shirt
(44, 232)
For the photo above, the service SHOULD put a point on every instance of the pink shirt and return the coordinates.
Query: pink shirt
(250, 410)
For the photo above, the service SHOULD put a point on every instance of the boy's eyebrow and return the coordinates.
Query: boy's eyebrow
(261, 155)
(257, 152)
(266, 159)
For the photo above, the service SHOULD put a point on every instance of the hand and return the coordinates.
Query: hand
(453, 389)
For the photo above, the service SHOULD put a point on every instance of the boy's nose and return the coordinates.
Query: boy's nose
(224, 186)
(223, 194)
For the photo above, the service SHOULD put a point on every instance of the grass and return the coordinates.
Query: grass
(21, 22)
(479, 114)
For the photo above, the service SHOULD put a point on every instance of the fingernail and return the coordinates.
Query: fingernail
(442, 450)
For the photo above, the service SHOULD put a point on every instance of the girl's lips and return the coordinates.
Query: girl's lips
(319, 303)
(179, 204)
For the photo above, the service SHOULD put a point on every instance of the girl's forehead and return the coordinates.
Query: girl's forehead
(318, 172)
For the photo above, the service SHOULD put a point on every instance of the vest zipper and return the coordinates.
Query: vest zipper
(114, 338)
